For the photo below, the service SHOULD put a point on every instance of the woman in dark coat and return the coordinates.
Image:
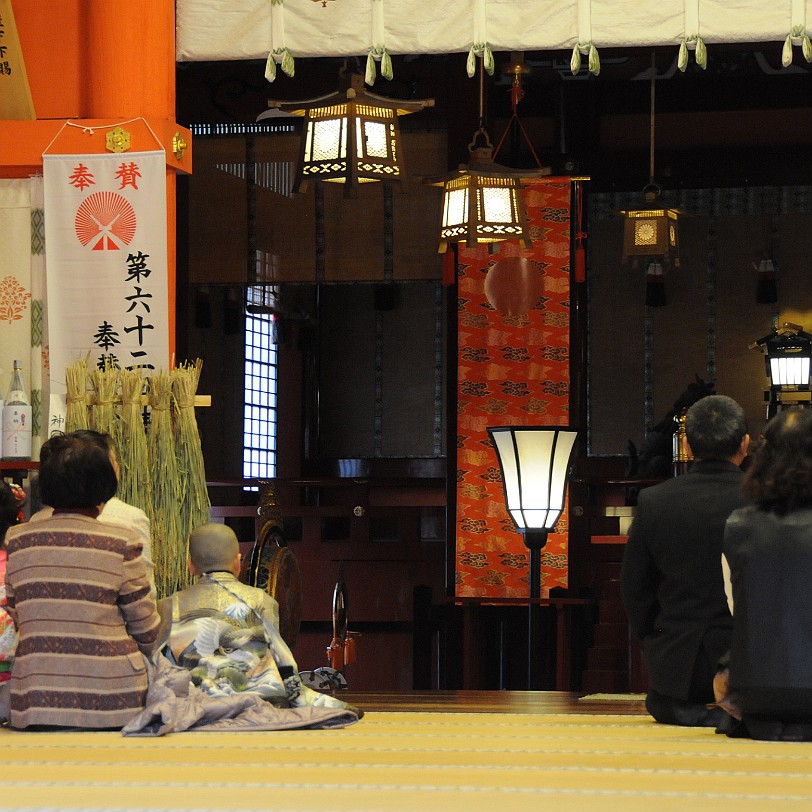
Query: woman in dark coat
(768, 547)
(78, 592)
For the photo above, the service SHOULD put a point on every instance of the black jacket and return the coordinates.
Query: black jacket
(770, 561)
(671, 580)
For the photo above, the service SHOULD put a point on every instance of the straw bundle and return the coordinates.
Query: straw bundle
(76, 380)
(194, 509)
(135, 484)
(169, 550)
(103, 409)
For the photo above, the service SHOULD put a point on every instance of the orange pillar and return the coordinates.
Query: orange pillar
(99, 62)
(129, 56)
(130, 59)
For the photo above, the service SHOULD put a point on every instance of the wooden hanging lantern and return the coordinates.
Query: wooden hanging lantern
(351, 136)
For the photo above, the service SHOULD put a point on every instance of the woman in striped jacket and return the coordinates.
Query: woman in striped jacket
(78, 592)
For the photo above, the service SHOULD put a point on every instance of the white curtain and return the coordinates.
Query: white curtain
(22, 293)
(244, 29)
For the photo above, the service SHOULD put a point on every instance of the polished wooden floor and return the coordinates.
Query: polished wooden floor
(527, 702)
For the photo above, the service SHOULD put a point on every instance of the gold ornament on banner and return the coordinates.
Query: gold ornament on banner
(117, 140)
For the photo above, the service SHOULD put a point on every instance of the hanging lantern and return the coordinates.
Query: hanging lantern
(651, 231)
(351, 136)
(482, 201)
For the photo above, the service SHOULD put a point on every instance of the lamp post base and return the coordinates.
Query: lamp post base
(534, 540)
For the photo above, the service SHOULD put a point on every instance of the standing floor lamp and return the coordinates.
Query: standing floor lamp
(788, 359)
(534, 462)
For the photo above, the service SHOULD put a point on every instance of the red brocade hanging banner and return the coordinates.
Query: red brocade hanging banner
(512, 370)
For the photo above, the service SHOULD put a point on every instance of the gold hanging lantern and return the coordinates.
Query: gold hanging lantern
(652, 230)
(351, 136)
(482, 201)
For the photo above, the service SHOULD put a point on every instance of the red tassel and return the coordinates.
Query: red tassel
(655, 285)
(580, 262)
(767, 289)
(449, 267)
(580, 236)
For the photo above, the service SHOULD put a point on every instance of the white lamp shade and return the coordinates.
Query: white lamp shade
(534, 462)
(326, 138)
(788, 358)
(790, 370)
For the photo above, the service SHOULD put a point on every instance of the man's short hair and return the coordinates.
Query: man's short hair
(715, 427)
(213, 547)
(75, 473)
(103, 441)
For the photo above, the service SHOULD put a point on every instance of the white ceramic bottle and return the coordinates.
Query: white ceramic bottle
(17, 419)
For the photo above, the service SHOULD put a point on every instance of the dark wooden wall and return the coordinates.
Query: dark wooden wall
(711, 314)
(742, 123)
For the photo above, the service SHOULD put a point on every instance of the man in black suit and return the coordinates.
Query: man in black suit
(672, 581)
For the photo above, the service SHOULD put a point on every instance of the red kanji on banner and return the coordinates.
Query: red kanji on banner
(128, 174)
(82, 177)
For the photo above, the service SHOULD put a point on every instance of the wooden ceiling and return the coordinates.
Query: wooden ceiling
(744, 120)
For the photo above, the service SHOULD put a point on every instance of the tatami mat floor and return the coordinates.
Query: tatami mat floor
(416, 759)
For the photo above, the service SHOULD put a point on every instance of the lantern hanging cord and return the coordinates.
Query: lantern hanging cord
(579, 193)
(345, 66)
(516, 95)
(482, 95)
(480, 138)
(651, 122)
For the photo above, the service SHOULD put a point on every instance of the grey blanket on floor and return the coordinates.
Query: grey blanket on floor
(174, 704)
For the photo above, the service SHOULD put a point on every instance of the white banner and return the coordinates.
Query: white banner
(106, 263)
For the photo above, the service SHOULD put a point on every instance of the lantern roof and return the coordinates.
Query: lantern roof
(355, 93)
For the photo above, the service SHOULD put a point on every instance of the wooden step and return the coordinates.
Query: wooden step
(604, 681)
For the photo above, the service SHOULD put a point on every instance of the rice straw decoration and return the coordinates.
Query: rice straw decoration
(194, 509)
(169, 550)
(134, 484)
(77, 382)
(103, 409)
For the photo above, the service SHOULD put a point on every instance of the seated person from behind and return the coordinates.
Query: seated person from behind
(78, 593)
(115, 511)
(227, 633)
(768, 546)
(672, 584)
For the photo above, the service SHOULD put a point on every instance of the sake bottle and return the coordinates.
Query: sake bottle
(17, 419)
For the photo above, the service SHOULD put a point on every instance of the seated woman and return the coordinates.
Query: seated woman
(768, 547)
(78, 592)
